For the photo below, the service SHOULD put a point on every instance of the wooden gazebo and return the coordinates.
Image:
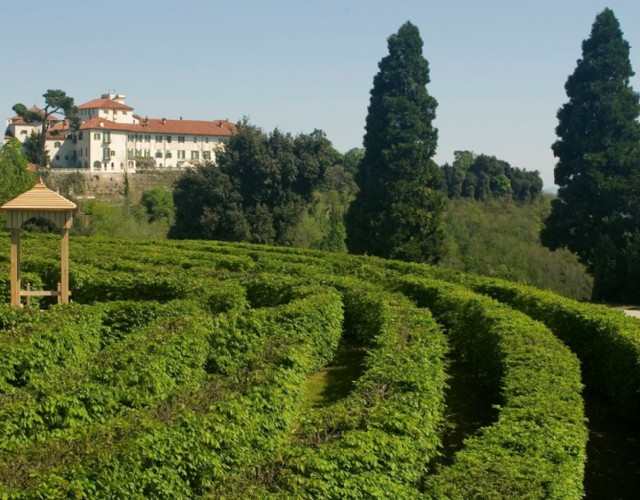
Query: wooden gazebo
(39, 202)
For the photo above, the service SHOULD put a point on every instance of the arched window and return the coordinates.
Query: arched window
(97, 165)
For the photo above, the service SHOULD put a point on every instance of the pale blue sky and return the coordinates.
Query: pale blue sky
(498, 67)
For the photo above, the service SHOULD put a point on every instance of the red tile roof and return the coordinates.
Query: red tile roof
(164, 126)
(104, 103)
(58, 131)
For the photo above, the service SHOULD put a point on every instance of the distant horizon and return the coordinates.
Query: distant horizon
(497, 69)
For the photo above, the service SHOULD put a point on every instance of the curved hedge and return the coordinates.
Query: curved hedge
(180, 371)
(606, 340)
(377, 441)
(536, 449)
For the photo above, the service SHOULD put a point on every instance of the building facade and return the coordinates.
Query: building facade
(112, 138)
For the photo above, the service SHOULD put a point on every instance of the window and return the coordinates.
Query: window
(96, 136)
(147, 138)
(158, 138)
(167, 154)
(206, 140)
(107, 137)
(195, 155)
(57, 157)
(56, 144)
(112, 166)
(131, 137)
(195, 138)
(181, 155)
(66, 157)
(168, 138)
(147, 153)
(158, 153)
(106, 154)
(23, 132)
(138, 153)
(97, 165)
(81, 135)
(113, 153)
(206, 155)
(181, 138)
(129, 154)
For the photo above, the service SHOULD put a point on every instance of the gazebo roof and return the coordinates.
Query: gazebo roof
(41, 199)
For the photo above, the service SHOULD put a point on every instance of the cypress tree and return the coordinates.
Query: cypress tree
(397, 212)
(598, 151)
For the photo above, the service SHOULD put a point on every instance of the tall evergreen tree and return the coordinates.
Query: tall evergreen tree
(596, 214)
(397, 212)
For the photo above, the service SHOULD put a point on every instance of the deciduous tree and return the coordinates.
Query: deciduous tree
(15, 179)
(397, 212)
(598, 169)
(258, 190)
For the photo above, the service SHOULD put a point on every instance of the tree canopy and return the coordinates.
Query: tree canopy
(15, 179)
(258, 189)
(56, 102)
(596, 214)
(397, 212)
(483, 177)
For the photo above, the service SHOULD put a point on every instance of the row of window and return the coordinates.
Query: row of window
(181, 154)
(135, 137)
(165, 138)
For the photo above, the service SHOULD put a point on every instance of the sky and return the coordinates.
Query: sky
(497, 67)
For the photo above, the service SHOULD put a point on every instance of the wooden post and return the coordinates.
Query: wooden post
(15, 267)
(63, 298)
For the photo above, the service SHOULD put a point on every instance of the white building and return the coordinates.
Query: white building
(113, 138)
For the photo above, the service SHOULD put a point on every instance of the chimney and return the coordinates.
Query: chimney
(164, 121)
(114, 97)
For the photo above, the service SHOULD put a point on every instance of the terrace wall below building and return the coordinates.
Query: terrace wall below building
(78, 183)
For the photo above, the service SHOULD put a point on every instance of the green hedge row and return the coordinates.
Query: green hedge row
(139, 371)
(606, 340)
(377, 441)
(536, 449)
(201, 439)
(52, 341)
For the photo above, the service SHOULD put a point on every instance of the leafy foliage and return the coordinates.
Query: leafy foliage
(257, 191)
(158, 202)
(501, 238)
(483, 177)
(598, 169)
(397, 211)
(180, 371)
(31, 148)
(539, 383)
(14, 176)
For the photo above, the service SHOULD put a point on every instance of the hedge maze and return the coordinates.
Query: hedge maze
(182, 370)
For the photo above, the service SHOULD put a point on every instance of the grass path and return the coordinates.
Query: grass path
(336, 380)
